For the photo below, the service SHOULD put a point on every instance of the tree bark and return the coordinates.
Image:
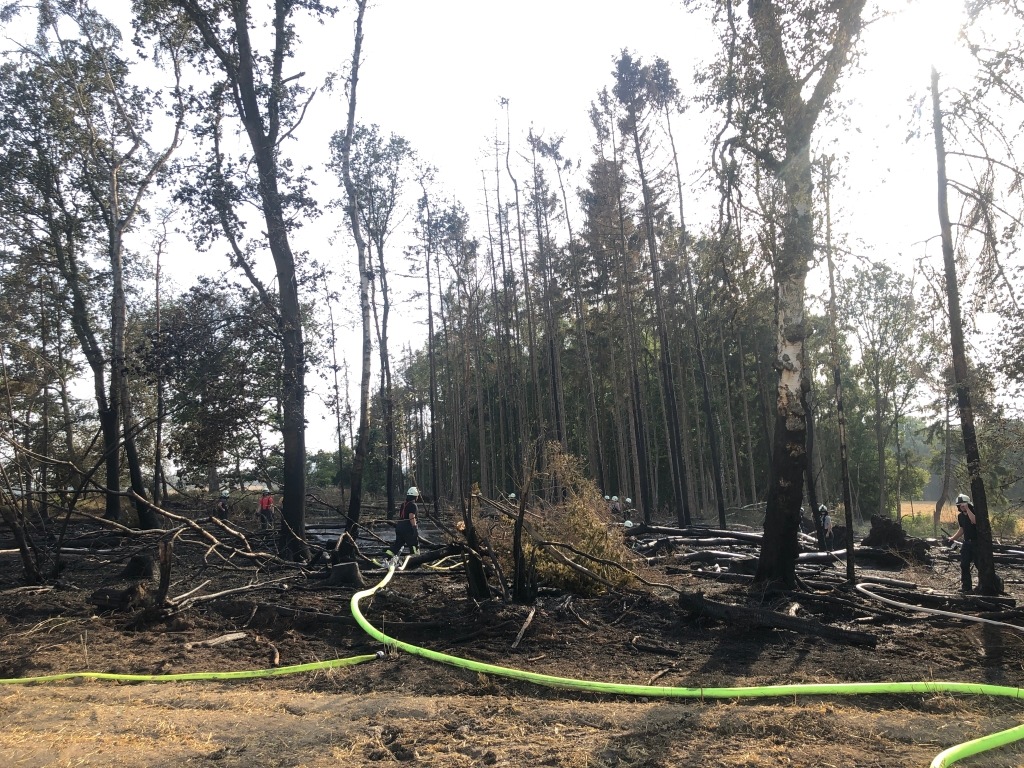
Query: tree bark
(348, 549)
(669, 397)
(262, 123)
(783, 93)
(837, 380)
(988, 582)
(698, 345)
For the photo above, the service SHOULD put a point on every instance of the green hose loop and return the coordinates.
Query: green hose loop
(985, 743)
(247, 674)
(653, 691)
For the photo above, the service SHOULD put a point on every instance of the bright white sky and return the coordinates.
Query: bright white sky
(434, 72)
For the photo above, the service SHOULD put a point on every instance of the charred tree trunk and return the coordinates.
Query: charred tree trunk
(837, 380)
(348, 549)
(780, 547)
(989, 583)
(785, 100)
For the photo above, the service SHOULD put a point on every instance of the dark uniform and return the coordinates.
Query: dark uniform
(406, 529)
(969, 551)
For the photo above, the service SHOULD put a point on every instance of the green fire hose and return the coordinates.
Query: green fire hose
(945, 758)
(247, 674)
(948, 757)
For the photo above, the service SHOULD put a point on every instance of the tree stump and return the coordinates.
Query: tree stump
(346, 575)
(139, 567)
(119, 598)
(889, 534)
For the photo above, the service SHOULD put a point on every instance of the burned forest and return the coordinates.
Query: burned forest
(374, 391)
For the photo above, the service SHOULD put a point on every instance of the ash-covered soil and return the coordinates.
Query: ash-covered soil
(406, 709)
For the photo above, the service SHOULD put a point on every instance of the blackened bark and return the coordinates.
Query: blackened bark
(988, 582)
(348, 548)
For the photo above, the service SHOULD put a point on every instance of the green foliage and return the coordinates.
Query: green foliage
(221, 365)
(1007, 524)
(919, 525)
(323, 470)
(905, 482)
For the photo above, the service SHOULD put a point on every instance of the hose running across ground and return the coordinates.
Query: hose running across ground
(246, 674)
(945, 758)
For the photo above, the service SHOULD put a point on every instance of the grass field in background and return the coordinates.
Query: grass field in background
(917, 521)
(925, 509)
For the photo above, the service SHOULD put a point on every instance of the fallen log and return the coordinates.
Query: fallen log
(844, 604)
(763, 617)
(821, 558)
(732, 578)
(690, 533)
(1005, 558)
(713, 556)
(717, 541)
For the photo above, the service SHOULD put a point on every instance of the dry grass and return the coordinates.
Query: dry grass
(95, 725)
(926, 509)
(917, 516)
(318, 731)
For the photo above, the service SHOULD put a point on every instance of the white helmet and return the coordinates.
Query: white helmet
(606, 498)
(223, 494)
(823, 509)
(511, 495)
(615, 498)
(963, 498)
(629, 500)
(413, 491)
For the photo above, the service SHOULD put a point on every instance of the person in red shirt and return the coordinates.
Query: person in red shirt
(266, 510)
(406, 531)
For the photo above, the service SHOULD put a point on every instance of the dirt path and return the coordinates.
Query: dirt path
(403, 709)
(231, 725)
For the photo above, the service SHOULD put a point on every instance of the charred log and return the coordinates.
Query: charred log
(697, 605)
